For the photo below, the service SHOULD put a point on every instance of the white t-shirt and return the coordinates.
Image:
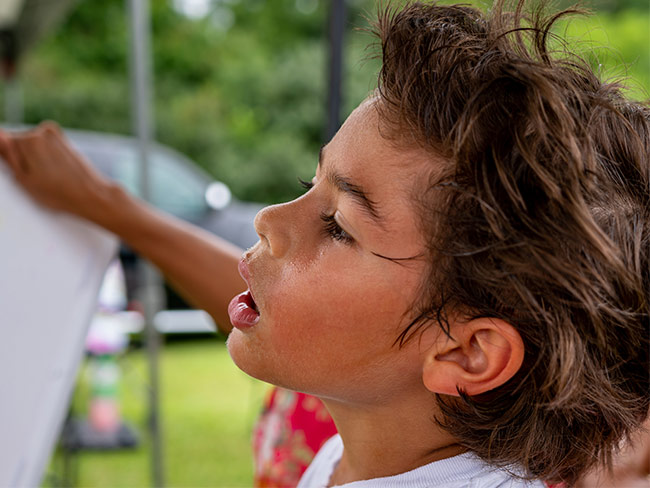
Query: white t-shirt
(463, 471)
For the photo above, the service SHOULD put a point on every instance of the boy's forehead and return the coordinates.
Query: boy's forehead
(366, 146)
(383, 180)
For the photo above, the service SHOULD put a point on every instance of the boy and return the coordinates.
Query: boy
(465, 283)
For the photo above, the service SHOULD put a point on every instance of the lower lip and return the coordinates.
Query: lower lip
(241, 312)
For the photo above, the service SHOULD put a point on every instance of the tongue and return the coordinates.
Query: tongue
(243, 311)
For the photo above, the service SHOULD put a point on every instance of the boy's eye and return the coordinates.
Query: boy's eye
(334, 230)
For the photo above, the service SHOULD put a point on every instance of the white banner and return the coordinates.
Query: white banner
(51, 269)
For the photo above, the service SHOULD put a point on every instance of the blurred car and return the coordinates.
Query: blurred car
(178, 187)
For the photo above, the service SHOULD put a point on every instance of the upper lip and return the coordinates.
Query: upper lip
(243, 269)
(245, 273)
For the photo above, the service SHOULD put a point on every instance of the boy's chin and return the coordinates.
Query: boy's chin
(249, 355)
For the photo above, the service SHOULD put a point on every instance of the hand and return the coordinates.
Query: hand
(52, 172)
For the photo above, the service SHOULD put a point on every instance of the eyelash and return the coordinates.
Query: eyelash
(334, 230)
(307, 185)
(331, 226)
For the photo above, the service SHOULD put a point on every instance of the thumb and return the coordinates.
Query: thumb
(51, 127)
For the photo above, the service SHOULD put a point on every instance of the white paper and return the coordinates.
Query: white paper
(51, 268)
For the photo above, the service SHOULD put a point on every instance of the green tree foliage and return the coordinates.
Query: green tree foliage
(617, 45)
(246, 103)
(242, 91)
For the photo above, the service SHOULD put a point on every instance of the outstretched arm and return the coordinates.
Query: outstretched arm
(202, 266)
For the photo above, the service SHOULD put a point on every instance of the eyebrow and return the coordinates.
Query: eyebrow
(358, 194)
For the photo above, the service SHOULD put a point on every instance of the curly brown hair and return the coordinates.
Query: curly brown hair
(542, 219)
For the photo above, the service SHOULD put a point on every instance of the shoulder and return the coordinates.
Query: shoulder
(463, 471)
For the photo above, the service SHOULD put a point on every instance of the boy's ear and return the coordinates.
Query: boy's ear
(483, 354)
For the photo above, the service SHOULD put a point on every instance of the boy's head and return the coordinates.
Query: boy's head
(540, 217)
(492, 191)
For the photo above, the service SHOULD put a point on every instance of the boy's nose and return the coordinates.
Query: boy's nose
(272, 225)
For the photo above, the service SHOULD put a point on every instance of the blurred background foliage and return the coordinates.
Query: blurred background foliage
(240, 85)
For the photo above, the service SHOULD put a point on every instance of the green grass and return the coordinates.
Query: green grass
(208, 408)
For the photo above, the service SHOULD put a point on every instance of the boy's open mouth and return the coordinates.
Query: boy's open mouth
(253, 305)
(243, 311)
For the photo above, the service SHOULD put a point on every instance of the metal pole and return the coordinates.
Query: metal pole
(14, 109)
(336, 31)
(141, 96)
(13, 100)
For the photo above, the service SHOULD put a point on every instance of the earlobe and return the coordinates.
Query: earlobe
(483, 354)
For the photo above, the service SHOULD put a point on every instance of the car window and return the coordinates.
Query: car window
(175, 187)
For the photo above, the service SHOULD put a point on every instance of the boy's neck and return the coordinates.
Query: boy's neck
(385, 440)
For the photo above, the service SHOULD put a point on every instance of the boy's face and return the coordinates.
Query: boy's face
(330, 309)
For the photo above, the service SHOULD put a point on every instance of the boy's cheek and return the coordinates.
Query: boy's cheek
(315, 315)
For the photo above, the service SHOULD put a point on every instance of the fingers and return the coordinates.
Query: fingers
(21, 157)
(16, 148)
(9, 154)
(40, 154)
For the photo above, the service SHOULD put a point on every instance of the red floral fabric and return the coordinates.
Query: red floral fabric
(292, 428)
